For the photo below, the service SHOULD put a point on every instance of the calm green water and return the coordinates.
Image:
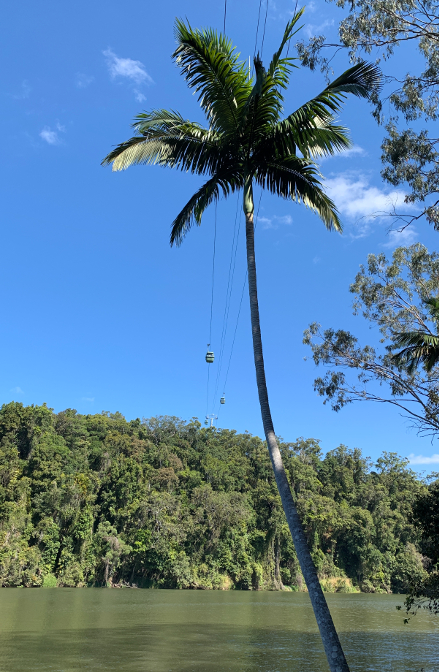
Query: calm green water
(64, 630)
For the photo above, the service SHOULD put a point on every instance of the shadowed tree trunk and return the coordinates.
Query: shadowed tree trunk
(334, 652)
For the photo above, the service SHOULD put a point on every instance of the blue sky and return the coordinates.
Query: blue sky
(98, 311)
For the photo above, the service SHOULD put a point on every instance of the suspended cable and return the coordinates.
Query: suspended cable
(263, 35)
(257, 28)
(229, 292)
(211, 308)
(239, 309)
(213, 279)
(225, 14)
(207, 391)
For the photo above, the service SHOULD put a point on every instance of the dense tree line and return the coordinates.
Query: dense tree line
(95, 500)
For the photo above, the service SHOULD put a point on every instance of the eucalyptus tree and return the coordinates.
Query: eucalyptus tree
(247, 142)
(410, 153)
(392, 295)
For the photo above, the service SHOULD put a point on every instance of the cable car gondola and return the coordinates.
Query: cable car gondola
(223, 400)
(209, 355)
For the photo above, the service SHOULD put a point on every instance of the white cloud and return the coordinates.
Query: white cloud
(82, 81)
(285, 219)
(138, 95)
(357, 200)
(405, 237)
(422, 459)
(126, 67)
(17, 390)
(274, 222)
(355, 150)
(51, 136)
(89, 399)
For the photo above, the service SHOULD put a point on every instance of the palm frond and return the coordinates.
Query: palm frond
(360, 80)
(166, 139)
(210, 65)
(419, 347)
(298, 180)
(433, 307)
(312, 138)
(264, 104)
(225, 182)
(279, 68)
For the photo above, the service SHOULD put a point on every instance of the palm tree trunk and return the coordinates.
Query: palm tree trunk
(334, 652)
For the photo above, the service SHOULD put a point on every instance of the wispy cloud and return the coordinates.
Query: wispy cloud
(89, 399)
(359, 201)
(82, 81)
(311, 7)
(405, 237)
(274, 222)
(17, 390)
(355, 150)
(51, 135)
(139, 96)
(24, 92)
(311, 30)
(423, 459)
(126, 67)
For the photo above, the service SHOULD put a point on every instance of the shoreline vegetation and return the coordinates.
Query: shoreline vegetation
(95, 500)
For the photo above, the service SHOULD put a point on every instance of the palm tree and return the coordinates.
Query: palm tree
(419, 347)
(246, 141)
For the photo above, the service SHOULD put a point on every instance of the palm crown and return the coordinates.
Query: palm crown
(246, 139)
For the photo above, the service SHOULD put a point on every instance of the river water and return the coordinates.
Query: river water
(128, 630)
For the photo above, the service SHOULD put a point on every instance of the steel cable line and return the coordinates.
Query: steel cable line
(213, 278)
(257, 29)
(225, 14)
(239, 309)
(211, 308)
(229, 292)
(265, 24)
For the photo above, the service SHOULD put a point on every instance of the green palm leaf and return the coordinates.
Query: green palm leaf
(210, 65)
(419, 347)
(166, 139)
(225, 182)
(298, 180)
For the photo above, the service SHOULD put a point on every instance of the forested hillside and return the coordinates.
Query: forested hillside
(94, 499)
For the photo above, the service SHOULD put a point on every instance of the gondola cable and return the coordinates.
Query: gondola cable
(257, 29)
(209, 355)
(239, 312)
(229, 292)
(265, 24)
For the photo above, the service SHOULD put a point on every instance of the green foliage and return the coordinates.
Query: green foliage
(410, 155)
(97, 500)
(398, 296)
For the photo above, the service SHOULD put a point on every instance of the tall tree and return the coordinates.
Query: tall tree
(248, 142)
(410, 154)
